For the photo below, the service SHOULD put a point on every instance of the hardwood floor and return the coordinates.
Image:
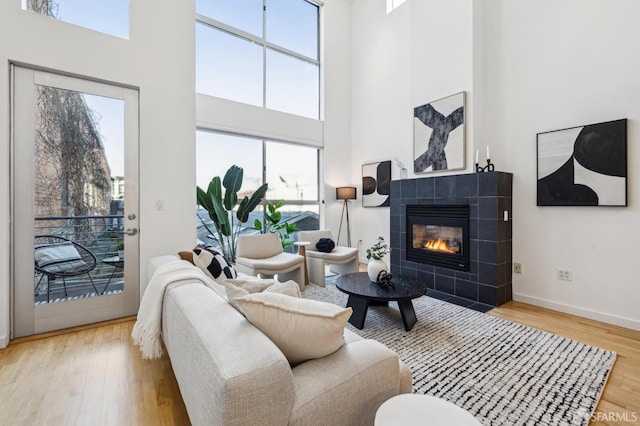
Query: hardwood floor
(87, 376)
(93, 375)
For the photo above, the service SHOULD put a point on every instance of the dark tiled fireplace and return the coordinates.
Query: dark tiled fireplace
(438, 235)
(473, 265)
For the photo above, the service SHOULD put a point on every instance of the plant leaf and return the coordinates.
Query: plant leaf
(223, 224)
(232, 182)
(230, 199)
(250, 204)
(233, 179)
(257, 224)
(279, 203)
(203, 199)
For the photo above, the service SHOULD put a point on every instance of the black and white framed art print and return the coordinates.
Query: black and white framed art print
(376, 184)
(583, 166)
(438, 135)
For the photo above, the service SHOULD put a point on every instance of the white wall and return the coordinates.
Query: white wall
(551, 65)
(337, 108)
(527, 67)
(420, 52)
(161, 64)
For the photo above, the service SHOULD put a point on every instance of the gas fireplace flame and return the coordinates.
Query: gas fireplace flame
(438, 245)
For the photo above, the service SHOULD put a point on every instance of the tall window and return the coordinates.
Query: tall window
(290, 170)
(260, 52)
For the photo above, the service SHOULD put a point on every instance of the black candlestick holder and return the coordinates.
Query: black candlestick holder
(488, 168)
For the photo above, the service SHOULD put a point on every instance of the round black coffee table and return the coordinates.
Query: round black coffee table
(363, 293)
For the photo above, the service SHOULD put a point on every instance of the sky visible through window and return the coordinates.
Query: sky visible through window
(292, 171)
(109, 117)
(231, 67)
(110, 17)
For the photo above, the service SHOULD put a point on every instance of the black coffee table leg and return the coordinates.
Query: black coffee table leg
(408, 314)
(359, 306)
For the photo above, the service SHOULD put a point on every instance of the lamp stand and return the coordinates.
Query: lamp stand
(345, 207)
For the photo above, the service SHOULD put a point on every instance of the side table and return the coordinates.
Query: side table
(117, 262)
(302, 251)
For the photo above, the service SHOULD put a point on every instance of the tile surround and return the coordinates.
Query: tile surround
(488, 282)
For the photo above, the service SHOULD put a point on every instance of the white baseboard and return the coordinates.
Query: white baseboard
(4, 342)
(581, 312)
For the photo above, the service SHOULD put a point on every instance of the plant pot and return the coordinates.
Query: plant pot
(374, 267)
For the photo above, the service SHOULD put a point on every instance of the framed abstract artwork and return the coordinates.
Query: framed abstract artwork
(583, 166)
(376, 184)
(439, 135)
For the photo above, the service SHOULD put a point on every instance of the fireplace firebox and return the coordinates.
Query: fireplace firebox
(438, 235)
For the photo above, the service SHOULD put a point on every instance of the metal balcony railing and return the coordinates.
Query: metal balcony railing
(102, 235)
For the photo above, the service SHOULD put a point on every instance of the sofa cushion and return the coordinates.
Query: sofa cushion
(276, 263)
(302, 329)
(62, 257)
(289, 288)
(213, 263)
(338, 254)
(250, 284)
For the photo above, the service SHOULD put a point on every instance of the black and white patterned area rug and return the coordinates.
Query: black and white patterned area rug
(501, 372)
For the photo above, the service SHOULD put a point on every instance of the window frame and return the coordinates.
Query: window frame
(264, 44)
(264, 140)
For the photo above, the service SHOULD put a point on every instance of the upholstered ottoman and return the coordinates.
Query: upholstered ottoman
(415, 409)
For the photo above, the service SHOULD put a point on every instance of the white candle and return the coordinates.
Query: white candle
(477, 156)
(488, 156)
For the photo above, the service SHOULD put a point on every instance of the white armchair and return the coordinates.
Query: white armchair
(343, 260)
(262, 254)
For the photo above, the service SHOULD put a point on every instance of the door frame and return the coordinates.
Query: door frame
(26, 317)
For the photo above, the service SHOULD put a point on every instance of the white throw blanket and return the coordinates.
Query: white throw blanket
(146, 331)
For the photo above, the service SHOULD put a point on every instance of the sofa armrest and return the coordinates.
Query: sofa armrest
(346, 387)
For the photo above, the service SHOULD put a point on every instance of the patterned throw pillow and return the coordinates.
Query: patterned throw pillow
(213, 263)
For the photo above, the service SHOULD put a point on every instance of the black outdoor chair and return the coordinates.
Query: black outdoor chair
(58, 257)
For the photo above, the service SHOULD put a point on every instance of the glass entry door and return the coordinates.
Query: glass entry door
(75, 201)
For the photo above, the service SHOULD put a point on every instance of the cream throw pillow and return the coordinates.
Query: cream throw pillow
(250, 284)
(290, 288)
(302, 329)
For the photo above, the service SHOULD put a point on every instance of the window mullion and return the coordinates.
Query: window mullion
(228, 29)
(264, 59)
(264, 161)
(296, 55)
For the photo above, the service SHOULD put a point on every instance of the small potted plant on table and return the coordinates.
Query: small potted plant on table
(375, 253)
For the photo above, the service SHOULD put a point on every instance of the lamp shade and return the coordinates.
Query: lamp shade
(346, 193)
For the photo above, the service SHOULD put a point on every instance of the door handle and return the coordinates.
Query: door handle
(130, 231)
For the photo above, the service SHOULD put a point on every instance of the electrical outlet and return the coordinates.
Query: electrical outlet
(517, 268)
(564, 274)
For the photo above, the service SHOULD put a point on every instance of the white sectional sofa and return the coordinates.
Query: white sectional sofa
(230, 373)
